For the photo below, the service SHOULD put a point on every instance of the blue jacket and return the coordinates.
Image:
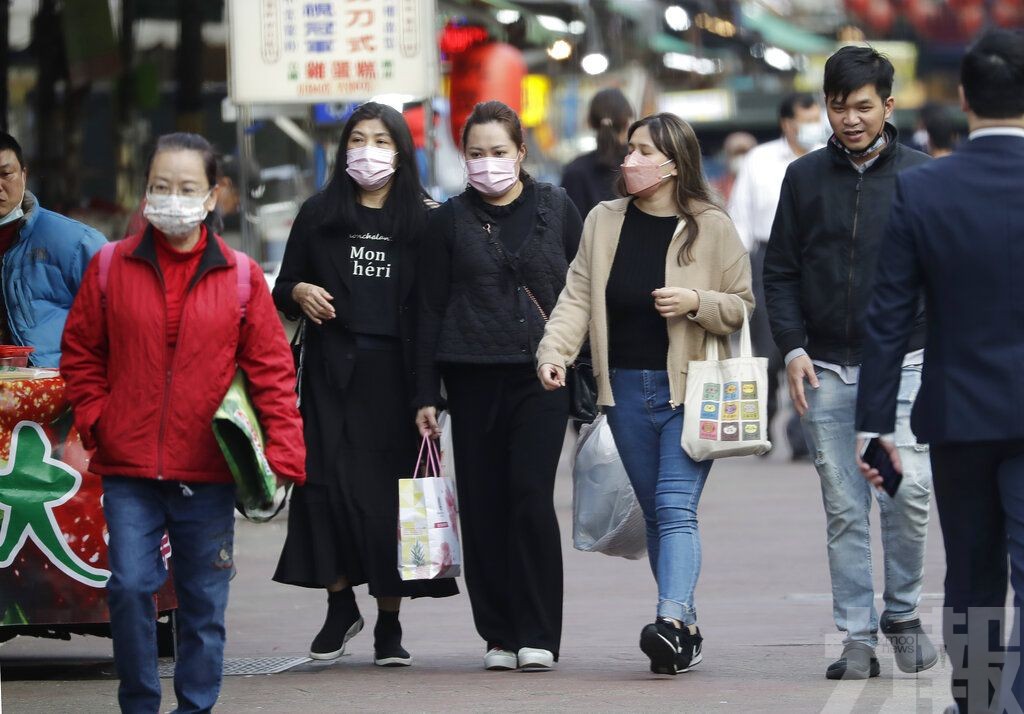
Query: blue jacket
(957, 232)
(41, 275)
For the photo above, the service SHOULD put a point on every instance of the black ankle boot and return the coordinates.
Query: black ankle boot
(387, 641)
(343, 622)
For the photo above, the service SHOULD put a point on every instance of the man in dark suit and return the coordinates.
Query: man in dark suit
(956, 233)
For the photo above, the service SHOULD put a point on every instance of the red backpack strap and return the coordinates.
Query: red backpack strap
(106, 255)
(242, 272)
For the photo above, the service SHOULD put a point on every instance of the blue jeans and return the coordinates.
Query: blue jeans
(831, 436)
(668, 483)
(200, 522)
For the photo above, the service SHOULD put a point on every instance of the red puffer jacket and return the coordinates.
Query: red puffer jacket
(148, 412)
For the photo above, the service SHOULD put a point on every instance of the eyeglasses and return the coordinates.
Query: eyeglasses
(185, 192)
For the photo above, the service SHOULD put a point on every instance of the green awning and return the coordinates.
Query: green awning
(663, 42)
(781, 33)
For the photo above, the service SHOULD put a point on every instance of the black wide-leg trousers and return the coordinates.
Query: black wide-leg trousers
(507, 436)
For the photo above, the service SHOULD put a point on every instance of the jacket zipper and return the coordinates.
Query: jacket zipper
(170, 370)
(849, 280)
(167, 384)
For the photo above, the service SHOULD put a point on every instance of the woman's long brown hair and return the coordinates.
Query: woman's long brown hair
(676, 140)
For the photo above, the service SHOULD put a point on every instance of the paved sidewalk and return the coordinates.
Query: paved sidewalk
(763, 602)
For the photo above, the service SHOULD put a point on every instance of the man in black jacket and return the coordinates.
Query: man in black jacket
(818, 276)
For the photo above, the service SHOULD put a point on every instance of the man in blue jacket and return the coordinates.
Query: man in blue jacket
(957, 233)
(818, 272)
(44, 255)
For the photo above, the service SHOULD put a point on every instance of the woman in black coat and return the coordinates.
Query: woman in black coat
(349, 269)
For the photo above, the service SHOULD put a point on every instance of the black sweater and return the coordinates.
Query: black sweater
(473, 306)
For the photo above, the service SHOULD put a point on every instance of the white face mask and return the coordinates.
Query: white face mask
(810, 135)
(16, 213)
(176, 216)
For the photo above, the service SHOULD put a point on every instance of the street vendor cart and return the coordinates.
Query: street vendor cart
(53, 537)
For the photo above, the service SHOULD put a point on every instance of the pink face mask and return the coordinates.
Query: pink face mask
(369, 166)
(642, 175)
(491, 175)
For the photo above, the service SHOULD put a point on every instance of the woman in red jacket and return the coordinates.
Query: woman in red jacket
(147, 358)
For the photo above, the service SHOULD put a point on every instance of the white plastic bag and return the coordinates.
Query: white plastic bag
(606, 517)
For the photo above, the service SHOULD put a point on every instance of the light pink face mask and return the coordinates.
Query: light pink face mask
(491, 175)
(642, 175)
(369, 166)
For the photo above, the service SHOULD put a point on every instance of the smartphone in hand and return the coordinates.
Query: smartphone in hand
(878, 458)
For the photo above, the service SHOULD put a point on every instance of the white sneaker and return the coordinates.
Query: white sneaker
(535, 659)
(498, 659)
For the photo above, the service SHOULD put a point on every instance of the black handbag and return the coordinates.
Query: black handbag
(579, 378)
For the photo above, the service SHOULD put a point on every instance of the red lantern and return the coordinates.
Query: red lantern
(880, 16)
(970, 20)
(858, 7)
(483, 73)
(1007, 14)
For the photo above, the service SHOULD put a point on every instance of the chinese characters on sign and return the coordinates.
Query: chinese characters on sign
(331, 50)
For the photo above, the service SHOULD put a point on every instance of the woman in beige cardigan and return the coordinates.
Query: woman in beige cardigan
(657, 275)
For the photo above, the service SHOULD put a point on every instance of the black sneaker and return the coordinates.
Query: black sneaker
(690, 652)
(387, 642)
(660, 642)
(343, 622)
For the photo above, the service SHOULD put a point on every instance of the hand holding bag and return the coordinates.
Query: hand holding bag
(428, 534)
(726, 403)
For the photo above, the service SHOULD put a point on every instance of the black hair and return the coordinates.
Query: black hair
(851, 68)
(939, 125)
(992, 74)
(184, 141)
(789, 104)
(406, 201)
(9, 143)
(610, 114)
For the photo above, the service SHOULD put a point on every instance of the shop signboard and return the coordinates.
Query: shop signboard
(315, 51)
(53, 537)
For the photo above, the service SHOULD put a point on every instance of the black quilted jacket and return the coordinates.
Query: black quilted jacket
(474, 306)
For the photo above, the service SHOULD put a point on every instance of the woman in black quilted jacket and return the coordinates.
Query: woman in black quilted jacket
(492, 264)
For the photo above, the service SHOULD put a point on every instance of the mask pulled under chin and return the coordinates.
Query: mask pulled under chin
(492, 175)
(175, 216)
(642, 175)
(16, 213)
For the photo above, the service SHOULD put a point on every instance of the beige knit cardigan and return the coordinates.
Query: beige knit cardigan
(719, 273)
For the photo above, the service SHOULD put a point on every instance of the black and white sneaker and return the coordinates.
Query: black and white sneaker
(660, 642)
(670, 649)
(690, 652)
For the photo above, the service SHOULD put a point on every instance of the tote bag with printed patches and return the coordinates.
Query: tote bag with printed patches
(726, 403)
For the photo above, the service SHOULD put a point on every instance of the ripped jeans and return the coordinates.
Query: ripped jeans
(199, 519)
(831, 437)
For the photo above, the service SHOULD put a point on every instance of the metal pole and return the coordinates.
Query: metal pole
(250, 239)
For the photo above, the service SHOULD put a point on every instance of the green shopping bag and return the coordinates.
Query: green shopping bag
(240, 436)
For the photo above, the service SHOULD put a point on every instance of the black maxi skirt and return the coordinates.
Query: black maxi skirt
(359, 443)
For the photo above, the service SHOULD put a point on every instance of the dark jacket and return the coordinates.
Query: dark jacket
(318, 253)
(149, 415)
(820, 264)
(474, 307)
(956, 233)
(588, 182)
